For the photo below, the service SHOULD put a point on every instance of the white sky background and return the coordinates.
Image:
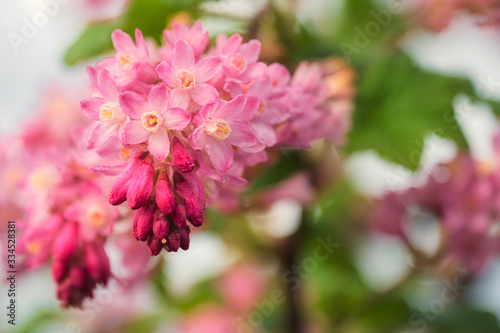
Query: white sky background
(463, 49)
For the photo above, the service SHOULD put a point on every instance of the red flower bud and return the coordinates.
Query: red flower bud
(164, 196)
(160, 226)
(181, 158)
(66, 242)
(118, 194)
(143, 222)
(195, 210)
(155, 245)
(77, 276)
(59, 270)
(141, 186)
(173, 242)
(178, 215)
(184, 237)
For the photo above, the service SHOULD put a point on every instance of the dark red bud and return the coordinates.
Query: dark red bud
(59, 270)
(160, 226)
(66, 242)
(173, 242)
(184, 237)
(164, 196)
(154, 245)
(118, 194)
(143, 222)
(181, 158)
(142, 184)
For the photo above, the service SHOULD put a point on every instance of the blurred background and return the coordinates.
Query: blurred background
(423, 78)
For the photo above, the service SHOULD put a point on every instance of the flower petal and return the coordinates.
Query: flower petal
(107, 86)
(159, 144)
(99, 133)
(90, 107)
(198, 138)
(203, 93)
(220, 153)
(166, 73)
(158, 98)
(122, 42)
(133, 104)
(207, 67)
(176, 119)
(250, 51)
(241, 109)
(241, 135)
(134, 133)
(182, 56)
(179, 99)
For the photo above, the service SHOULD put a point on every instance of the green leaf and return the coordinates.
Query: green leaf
(288, 164)
(398, 105)
(465, 319)
(95, 40)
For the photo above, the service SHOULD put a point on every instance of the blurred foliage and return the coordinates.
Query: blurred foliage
(398, 105)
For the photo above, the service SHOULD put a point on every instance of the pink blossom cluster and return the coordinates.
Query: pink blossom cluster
(437, 14)
(193, 118)
(464, 195)
(59, 206)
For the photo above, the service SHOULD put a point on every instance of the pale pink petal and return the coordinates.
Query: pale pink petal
(90, 107)
(159, 144)
(107, 86)
(232, 44)
(134, 133)
(260, 88)
(279, 74)
(179, 98)
(133, 104)
(203, 93)
(158, 99)
(166, 73)
(220, 153)
(142, 47)
(101, 132)
(208, 110)
(250, 51)
(183, 56)
(176, 119)
(233, 88)
(198, 138)
(241, 135)
(122, 42)
(241, 109)
(207, 67)
(265, 133)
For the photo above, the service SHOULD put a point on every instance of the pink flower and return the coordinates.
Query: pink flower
(195, 36)
(223, 125)
(152, 119)
(130, 63)
(188, 77)
(105, 111)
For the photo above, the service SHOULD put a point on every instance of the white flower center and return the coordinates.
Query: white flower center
(126, 60)
(151, 121)
(218, 129)
(186, 79)
(110, 112)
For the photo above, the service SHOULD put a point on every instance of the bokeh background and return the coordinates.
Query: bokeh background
(235, 265)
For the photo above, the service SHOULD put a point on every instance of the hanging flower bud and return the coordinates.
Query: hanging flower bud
(154, 245)
(178, 215)
(143, 222)
(164, 196)
(181, 158)
(160, 226)
(59, 270)
(66, 243)
(77, 276)
(141, 185)
(118, 194)
(194, 209)
(184, 237)
(173, 242)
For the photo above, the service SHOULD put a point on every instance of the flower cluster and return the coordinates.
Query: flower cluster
(463, 195)
(194, 117)
(437, 14)
(60, 206)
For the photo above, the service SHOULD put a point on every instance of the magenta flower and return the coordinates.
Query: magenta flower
(188, 77)
(223, 125)
(152, 119)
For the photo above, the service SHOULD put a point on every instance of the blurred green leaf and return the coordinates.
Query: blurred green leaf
(464, 319)
(398, 105)
(95, 40)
